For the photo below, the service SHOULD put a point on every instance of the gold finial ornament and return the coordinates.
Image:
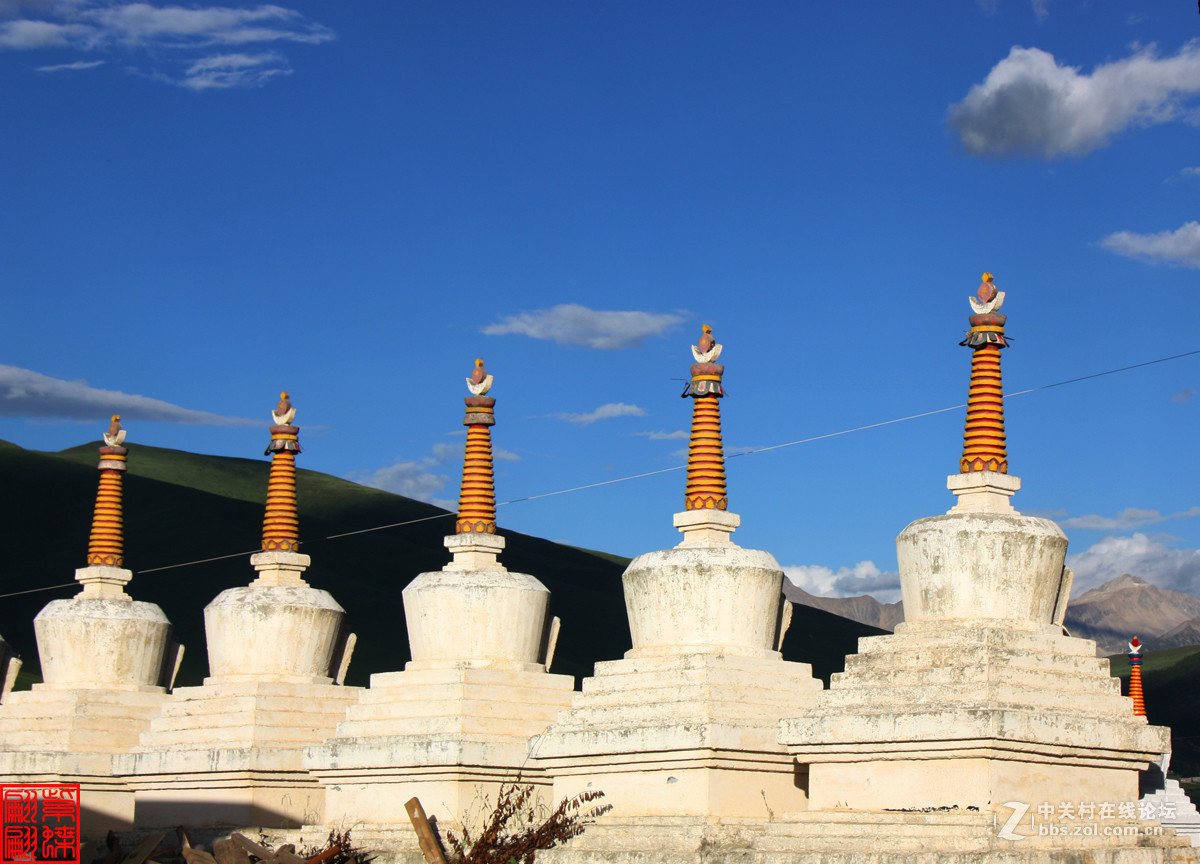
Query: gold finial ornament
(477, 497)
(281, 522)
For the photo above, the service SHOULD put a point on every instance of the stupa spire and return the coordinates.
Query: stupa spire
(705, 520)
(984, 446)
(477, 498)
(983, 483)
(106, 544)
(706, 455)
(281, 523)
(1135, 678)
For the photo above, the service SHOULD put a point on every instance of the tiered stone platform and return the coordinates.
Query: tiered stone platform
(232, 753)
(447, 735)
(970, 716)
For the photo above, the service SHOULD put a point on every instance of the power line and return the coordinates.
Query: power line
(649, 473)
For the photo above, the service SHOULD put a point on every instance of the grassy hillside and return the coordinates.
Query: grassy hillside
(183, 507)
(1172, 699)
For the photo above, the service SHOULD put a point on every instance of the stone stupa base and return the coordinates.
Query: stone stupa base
(685, 734)
(973, 715)
(230, 752)
(447, 734)
(71, 736)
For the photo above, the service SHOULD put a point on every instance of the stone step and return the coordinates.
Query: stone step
(454, 707)
(461, 724)
(779, 677)
(214, 705)
(784, 702)
(926, 656)
(207, 718)
(637, 714)
(473, 676)
(1046, 678)
(963, 637)
(483, 693)
(1002, 695)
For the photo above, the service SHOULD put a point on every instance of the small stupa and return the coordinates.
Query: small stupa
(107, 661)
(979, 699)
(683, 731)
(460, 719)
(230, 750)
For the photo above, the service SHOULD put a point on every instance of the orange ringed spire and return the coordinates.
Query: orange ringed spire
(477, 498)
(984, 442)
(106, 543)
(1135, 678)
(281, 523)
(706, 456)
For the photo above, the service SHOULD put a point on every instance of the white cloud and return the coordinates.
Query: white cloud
(425, 479)
(1139, 555)
(1031, 105)
(24, 393)
(416, 480)
(863, 578)
(571, 324)
(169, 35)
(143, 24)
(234, 70)
(1184, 395)
(1039, 9)
(1128, 519)
(604, 412)
(677, 435)
(70, 67)
(1185, 174)
(1169, 247)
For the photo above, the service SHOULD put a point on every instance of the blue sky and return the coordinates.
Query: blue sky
(205, 204)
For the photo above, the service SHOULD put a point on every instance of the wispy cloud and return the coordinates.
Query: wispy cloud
(1127, 520)
(604, 412)
(170, 36)
(571, 324)
(71, 67)
(1184, 395)
(234, 70)
(1029, 104)
(1181, 247)
(25, 393)
(1191, 173)
(864, 577)
(1040, 10)
(677, 435)
(1151, 558)
(428, 478)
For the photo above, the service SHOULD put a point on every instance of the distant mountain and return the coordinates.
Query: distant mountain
(1111, 614)
(1130, 606)
(184, 507)
(864, 609)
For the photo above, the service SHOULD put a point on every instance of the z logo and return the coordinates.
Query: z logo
(1007, 829)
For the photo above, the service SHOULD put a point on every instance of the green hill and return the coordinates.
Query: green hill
(184, 507)
(1172, 699)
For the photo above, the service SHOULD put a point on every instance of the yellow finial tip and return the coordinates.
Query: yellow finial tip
(478, 361)
(116, 418)
(988, 277)
(707, 328)
(285, 395)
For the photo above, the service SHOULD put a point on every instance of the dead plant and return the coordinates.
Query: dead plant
(512, 832)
